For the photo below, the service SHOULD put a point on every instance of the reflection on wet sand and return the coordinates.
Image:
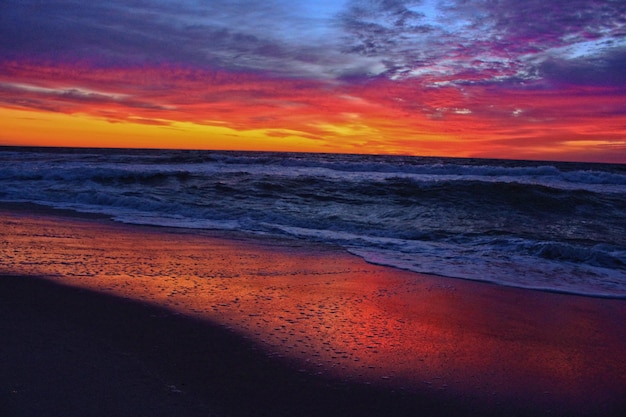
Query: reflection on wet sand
(332, 314)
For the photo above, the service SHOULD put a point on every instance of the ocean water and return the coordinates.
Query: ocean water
(539, 225)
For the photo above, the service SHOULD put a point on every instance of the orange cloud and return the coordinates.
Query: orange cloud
(174, 107)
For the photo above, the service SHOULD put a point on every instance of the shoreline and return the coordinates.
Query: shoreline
(94, 354)
(332, 317)
(40, 209)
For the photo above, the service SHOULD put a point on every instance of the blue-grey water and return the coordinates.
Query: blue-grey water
(541, 225)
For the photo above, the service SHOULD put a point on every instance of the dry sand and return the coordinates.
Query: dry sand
(129, 320)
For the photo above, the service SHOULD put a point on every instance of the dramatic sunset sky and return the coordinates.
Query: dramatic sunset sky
(531, 79)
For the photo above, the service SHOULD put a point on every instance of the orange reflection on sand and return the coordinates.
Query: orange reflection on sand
(333, 314)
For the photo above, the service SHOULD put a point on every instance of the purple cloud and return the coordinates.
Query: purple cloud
(274, 36)
(508, 41)
(441, 42)
(604, 69)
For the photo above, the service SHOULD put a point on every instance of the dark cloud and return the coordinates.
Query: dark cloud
(389, 30)
(267, 36)
(506, 41)
(457, 42)
(606, 69)
(100, 32)
(376, 26)
(541, 24)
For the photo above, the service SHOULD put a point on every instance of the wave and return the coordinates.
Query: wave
(554, 226)
(576, 172)
(148, 166)
(601, 255)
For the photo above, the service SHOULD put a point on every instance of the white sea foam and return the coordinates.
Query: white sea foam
(551, 226)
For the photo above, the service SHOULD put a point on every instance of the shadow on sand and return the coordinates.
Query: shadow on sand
(73, 352)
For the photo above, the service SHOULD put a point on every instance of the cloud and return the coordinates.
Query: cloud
(271, 36)
(537, 24)
(445, 41)
(478, 41)
(374, 27)
(236, 99)
(604, 69)
(391, 72)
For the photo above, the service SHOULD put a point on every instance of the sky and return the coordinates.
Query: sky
(533, 79)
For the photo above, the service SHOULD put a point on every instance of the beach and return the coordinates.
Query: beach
(104, 318)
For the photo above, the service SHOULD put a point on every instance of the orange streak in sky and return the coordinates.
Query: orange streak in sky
(173, 107)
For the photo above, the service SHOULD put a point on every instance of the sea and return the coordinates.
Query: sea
(551, 226)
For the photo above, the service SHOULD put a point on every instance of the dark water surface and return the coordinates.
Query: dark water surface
(542, 225)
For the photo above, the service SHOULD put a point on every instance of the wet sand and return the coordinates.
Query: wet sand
(221, 324)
